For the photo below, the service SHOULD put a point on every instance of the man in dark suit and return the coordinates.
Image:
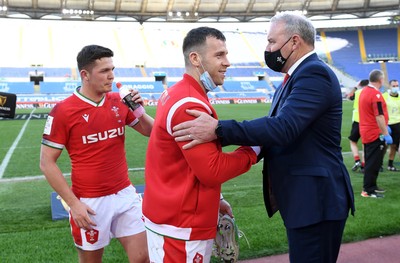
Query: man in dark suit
(304, 176)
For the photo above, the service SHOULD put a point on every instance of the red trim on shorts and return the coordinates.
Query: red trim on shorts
(174, 250)
(76, 232)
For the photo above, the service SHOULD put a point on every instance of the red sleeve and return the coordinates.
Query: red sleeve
(209, 163)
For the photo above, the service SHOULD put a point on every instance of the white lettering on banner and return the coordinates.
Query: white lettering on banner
(244, 101)
(220, 102)
(102, 136)
(25, 106)
(36, 105)
(139, 86)
(48, 105)
(4, 87)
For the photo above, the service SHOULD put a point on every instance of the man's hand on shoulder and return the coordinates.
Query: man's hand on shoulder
(197, 131)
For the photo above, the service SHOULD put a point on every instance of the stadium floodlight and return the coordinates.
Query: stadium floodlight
(78, 13)
(184, 16)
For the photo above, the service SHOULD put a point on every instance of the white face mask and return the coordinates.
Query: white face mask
(206, 79)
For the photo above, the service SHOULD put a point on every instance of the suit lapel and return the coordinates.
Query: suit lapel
(277, 98)
(284, 88)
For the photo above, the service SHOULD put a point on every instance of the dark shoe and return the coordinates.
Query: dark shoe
(373, 194)
(356, 165)
(380, 190)
(362, 170)
(392, 168)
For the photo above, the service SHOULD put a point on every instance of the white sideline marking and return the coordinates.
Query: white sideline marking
(10, 152)
(37, 177)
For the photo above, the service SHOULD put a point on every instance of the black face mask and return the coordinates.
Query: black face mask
(275, 60)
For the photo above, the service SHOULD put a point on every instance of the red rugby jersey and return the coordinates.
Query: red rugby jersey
(182, 193)
(94, 135)
(369, 100)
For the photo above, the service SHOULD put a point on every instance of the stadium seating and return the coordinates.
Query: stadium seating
(378, 43)
(142, 52)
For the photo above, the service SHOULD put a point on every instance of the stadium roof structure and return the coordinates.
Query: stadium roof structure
(195, 10)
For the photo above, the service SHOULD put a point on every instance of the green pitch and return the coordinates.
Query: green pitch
(27, 233)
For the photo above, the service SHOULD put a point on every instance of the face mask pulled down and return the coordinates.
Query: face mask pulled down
(275, 60)
(206, 79)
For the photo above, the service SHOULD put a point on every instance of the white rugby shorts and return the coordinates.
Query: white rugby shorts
(169, 250)
(117, 215)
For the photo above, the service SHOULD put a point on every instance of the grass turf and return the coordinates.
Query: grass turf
(27, 233)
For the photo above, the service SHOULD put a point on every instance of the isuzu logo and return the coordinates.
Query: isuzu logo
(102, 136)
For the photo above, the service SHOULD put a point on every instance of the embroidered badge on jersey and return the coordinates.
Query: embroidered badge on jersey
(115, 109)
(198, 258)
(92, 236)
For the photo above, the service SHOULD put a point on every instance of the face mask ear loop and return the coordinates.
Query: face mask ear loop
(202, 66)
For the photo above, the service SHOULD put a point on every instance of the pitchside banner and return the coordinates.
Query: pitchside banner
(149, 87)
(8, 102)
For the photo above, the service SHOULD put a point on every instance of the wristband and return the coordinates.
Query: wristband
(139, 111)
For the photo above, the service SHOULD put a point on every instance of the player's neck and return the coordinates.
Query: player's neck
(91, 94)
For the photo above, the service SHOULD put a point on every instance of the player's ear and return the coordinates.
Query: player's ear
(194, 58)
(84, 74)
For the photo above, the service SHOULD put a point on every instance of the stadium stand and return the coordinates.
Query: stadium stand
(174, 72)
(378, 44)
(128, 72)
(146, 56)
(366, 49)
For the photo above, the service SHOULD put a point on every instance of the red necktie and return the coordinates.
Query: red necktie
(285, 79)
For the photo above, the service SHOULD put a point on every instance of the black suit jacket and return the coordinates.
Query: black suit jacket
(304, 175)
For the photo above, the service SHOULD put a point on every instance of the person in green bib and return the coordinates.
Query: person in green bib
(393, 104)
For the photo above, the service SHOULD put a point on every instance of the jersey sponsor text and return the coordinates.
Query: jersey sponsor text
(102, 136)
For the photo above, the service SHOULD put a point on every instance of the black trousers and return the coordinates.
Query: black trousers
(374, 153)
(318, 243)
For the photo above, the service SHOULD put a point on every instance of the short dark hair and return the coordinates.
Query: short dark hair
(196, 38)
(89, 54)
(363, 82)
